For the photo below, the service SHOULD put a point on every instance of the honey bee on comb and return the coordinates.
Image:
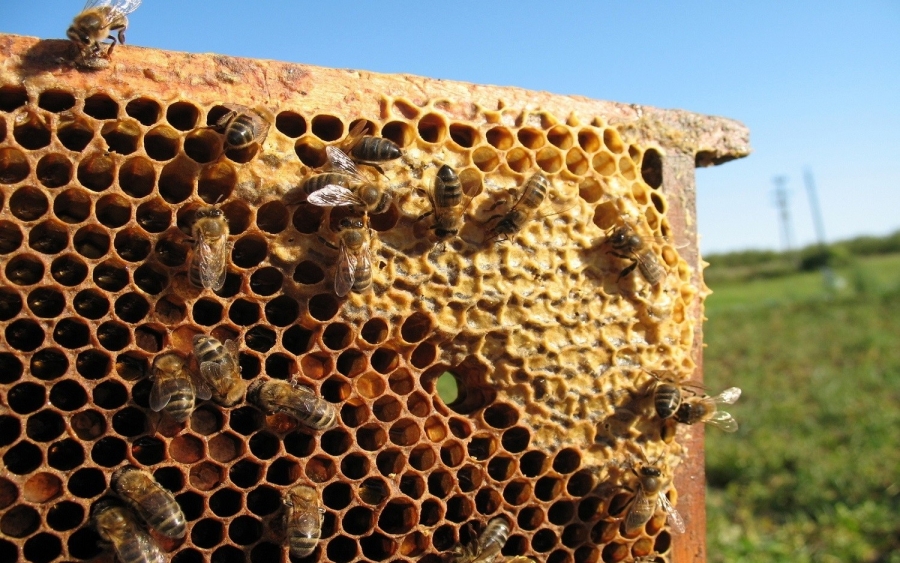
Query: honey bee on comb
(367, 149)
(352, 189)
(209, 260)
(276, 396)
(628, 245)
(117, 525)
(303, 519)
(487, 546)
(446, 199)
(150, 500)
(94, 24)
(242, 126)
(219, 368)
(648, 498)
(354, 267)
(174, 390)
(533, 193)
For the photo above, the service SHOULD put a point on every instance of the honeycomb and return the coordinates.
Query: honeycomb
(100, 175)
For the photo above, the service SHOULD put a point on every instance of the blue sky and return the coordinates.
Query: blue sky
(818, 83)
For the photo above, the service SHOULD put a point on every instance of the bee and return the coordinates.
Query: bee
(648, 498)
(303, 520)
(173, 387)
(628, 245)
(150, 500)
(354, 270)
(219, 368)
(97, 20)
(446, 204)
(117, 525)
(242, 126)
(211, 248)
(666, 395)
(360, 193)
(367, 149)
(703, 409)
(533, 194)
(276, 396)
(488, 545)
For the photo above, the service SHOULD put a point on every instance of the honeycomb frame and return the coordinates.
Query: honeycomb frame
(100, 173)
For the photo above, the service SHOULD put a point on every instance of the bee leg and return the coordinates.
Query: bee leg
(627, 271)
(121, 35)
(328, 243)
(423, 215)
(223, 121)
(111, 46)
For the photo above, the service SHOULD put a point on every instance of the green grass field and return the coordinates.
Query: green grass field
(813, 475)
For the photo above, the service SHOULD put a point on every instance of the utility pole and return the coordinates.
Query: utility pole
(814, 206)
(781, 200)
(832, 282)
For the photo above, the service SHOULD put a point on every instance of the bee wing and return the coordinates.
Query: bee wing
(354, 136)
(640, 507)
(201, 389)
(675, 519)
(333, 195)
(213, 260)
(161, 393)
(723, 421)
(211, 373)
(144, 545)
(338, 161)
(728, 396)
(346, 273)
(124, 7)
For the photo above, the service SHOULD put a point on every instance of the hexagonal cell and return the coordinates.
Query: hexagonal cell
(10, 429)
(75, 133)
(46, 302)
(96, 172)
(137, 176)
(51, 100)
(146, 110)
(205, 476)
(91, 242)
(65, 515)
(49, 237)
(31, 130)
(45, 426)
(392, 461)
(28, 203)
(10, 240)
(54, 170)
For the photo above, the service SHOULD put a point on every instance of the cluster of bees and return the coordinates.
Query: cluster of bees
(339, 184)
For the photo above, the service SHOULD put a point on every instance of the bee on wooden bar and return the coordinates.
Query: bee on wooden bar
(242, 126)
(115, 524)
(150, 500)
(648, 498)
(366, 149)
(533, 193)
(446, 199)
(704, 409)
(628, 245)
(303, 519)
(97, 20)
(173, 387)
(211, 247)
(360, 193)
(276, 396)
(219, 368)
(488, 545)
